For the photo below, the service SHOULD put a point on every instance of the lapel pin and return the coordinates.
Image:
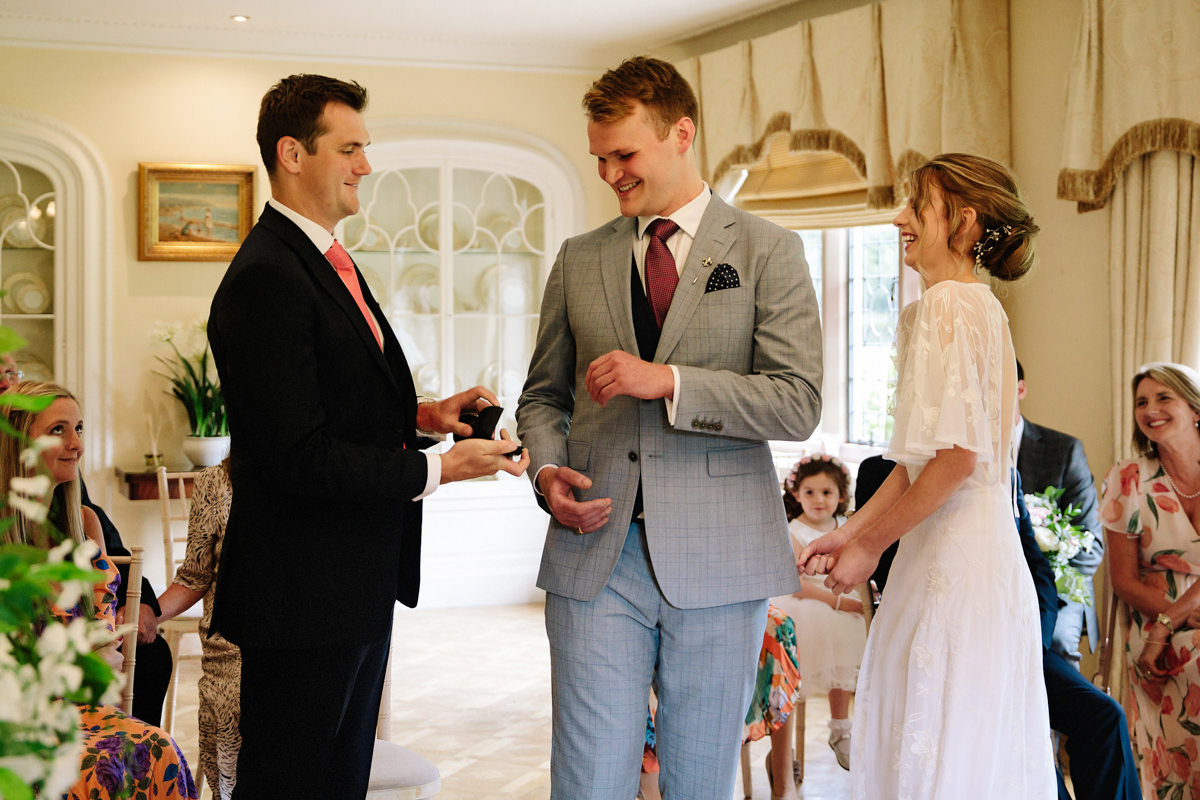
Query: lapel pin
(707, 263)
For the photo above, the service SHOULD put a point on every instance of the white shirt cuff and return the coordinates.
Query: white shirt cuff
(537, 488)
(434, 478)
(673, 401)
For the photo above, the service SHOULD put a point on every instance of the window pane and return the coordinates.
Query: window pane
(812, 254)
(874, 258)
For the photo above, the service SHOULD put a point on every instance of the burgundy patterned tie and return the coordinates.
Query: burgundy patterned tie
(661, 275)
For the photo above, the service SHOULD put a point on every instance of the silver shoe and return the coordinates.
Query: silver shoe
(841, 748)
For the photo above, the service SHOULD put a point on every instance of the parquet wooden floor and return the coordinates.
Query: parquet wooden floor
(471, 692)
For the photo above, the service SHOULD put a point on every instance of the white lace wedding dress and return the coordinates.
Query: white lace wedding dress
(951, 702)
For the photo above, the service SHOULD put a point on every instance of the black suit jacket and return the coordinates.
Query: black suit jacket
(323, 535)
(1052, 458)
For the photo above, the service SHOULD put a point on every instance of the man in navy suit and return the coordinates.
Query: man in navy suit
(324, 533)
(1051, 458)
(1102, 765)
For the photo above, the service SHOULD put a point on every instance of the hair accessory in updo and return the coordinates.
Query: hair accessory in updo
(790, 483)
(987, 243)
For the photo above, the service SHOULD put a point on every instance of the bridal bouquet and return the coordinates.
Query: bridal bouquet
(1060, 540)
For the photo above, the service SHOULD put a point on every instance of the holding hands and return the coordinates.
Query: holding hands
(842, 556)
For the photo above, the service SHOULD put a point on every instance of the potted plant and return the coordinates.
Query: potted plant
(193, 383)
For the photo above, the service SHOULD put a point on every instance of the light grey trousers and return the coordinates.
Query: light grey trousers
(604, 655)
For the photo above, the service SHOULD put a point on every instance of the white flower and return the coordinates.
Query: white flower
(10, 689)
(1047, 541)
(1069, 548)
(84, 553)
(54, 641)
(61, 678)
(35, 486)
(35, 511)
(164, 332)
(65, 767)
(59, 551)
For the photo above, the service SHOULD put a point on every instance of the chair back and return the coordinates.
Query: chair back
(133, 609)
(174, 509)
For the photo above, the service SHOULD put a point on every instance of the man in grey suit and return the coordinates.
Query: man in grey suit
(1052, 458)
(674, 342)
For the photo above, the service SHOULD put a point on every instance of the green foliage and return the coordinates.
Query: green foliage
(193, 386)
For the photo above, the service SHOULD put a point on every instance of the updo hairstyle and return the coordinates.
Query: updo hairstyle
(1005, 248)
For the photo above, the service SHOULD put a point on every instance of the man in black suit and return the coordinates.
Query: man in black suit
(323, 534)
(1051, 458)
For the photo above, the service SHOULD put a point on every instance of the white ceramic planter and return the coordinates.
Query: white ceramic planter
(205, 451)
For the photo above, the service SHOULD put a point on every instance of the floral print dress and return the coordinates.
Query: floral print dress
(123, 756)
(1165, 716)
(777, 682)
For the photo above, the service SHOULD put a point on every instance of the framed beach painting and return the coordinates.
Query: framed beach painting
(193, 212)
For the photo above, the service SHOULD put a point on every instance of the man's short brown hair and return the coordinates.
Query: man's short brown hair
(652, 82)
(293, 107)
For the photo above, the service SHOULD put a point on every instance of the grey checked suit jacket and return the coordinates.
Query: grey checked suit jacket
(749, 360)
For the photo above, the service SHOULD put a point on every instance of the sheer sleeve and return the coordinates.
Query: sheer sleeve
(949, 364)
(1120, 498)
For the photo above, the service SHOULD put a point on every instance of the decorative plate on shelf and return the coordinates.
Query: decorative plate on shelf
(26, 293)
(34, 368)
(506, 383)
(419, 283)
(505, 291)
(428, 380)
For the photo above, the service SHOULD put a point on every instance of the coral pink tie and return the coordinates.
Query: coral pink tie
(661, 274)
(341, 261)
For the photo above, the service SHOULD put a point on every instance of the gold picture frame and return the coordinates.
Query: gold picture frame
(193, 212)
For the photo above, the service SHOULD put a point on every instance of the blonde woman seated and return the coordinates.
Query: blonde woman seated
(1148, 509)
(221, 678)
(122, 755)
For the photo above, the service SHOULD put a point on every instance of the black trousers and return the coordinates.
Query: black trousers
(308, 721)
(1102, 766)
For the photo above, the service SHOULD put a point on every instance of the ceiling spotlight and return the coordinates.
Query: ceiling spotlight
(239, 18)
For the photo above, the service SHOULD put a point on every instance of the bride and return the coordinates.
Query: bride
(950, 701)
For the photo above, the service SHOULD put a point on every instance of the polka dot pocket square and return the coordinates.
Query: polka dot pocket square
(724, 276)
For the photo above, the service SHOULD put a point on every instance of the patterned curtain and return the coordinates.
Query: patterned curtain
(887, 85)
(1154, 274)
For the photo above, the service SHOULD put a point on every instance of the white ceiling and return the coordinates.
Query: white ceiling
(525, 34)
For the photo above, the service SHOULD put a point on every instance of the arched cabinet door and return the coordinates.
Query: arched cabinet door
(455, 236)
(54, 263)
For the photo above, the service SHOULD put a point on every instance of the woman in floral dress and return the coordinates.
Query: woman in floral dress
(1148, 509)
(122, 756)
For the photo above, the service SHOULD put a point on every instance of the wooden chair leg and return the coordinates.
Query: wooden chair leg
(172, 638)
(747, 781)
(798, 733)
